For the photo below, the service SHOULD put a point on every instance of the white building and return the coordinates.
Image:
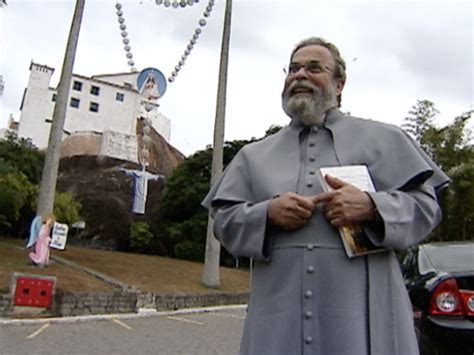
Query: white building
(101, 104)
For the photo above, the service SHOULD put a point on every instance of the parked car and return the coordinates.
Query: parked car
(440, 281)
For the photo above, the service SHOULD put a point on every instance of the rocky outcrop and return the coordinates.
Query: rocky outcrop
(106, 192)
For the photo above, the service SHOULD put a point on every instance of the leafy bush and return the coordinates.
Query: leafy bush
(66, 208)
(189, 237)
(19, 154)
(17, 196)
(189, 250)
(140, 236)
(21, 165)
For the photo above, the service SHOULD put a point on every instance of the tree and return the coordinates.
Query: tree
(21, 165)
(460, 201)
(184, 219)
(420, 123)
(17, 200)
(451, 148)
(19, 154)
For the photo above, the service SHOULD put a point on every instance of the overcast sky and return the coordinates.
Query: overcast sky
(397, 52)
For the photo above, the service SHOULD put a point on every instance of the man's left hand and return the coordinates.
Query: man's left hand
(346, 205)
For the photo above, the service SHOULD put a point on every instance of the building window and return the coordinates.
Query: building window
(94, 107)
(77, 85)
(74, 102)
(119, 96)
(53, 98)
(95, 90)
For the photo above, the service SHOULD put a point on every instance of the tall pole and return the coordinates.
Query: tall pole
(53, 152)
(210, 276)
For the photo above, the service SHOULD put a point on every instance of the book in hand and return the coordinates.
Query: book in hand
(355, 240)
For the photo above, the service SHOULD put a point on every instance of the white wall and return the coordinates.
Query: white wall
(112, 115)
(37, 106)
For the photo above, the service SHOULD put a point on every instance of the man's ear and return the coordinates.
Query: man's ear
(339, 86)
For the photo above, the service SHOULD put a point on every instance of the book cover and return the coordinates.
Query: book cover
(355, 240)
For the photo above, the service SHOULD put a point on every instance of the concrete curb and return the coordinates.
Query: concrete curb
(104, 317)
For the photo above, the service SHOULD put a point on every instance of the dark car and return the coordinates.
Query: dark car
(440, 281)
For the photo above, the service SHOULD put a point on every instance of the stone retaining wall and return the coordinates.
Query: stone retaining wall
(88, 303)
(5, 300)
(179, 301)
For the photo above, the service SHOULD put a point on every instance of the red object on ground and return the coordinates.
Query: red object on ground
(33, 291)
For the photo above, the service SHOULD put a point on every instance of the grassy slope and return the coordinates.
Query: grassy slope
(148, 273)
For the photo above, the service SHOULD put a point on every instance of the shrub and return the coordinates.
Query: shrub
(189, 250)
(66, 208)
(140, 236)
(17, 195)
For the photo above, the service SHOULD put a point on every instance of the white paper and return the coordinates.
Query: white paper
(356, 175)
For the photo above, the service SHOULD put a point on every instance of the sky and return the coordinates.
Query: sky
(397, 52)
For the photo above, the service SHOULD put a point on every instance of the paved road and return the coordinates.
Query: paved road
(216, 331)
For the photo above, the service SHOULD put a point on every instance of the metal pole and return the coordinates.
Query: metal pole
(53, 152)
(210, 276)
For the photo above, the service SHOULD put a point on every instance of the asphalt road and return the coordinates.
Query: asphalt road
(215, 331)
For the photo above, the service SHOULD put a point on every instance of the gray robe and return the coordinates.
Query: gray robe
(307, 297)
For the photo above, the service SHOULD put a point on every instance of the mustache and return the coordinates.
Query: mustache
(300, 84)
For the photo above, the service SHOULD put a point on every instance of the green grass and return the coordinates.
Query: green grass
(148, 273)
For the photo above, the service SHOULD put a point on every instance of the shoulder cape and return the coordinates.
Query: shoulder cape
(270, 167)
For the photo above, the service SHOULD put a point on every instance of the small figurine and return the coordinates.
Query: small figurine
(40, 237)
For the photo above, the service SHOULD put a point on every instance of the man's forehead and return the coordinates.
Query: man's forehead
(313, 52)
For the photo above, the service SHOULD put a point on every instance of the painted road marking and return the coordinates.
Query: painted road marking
(32, 335)
(121, 323)
(185, 320)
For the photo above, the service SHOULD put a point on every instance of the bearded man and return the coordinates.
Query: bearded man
(307, 296)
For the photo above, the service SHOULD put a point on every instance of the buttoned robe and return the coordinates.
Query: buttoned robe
(307, 296)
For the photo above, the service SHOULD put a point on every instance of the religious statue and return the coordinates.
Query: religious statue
(150, 88)
(40, 238)
(141, 178)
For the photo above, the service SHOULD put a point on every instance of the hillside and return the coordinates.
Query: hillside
(147, 273)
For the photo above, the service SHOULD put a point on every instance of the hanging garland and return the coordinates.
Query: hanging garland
(176, 3)
(151, 83)
(167, 4)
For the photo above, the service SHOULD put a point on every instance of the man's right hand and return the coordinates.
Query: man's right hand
(290, 211)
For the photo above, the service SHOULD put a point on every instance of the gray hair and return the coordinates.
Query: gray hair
(340, 71)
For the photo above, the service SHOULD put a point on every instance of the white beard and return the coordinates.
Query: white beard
(308, 110)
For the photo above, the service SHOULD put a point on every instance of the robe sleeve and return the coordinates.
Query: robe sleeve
(407, 217)
(242, 229)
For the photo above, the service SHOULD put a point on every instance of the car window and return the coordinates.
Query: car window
(424, 262)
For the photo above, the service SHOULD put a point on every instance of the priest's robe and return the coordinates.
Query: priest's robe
(307, 296)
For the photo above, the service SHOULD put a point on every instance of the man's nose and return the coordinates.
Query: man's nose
(300, 73)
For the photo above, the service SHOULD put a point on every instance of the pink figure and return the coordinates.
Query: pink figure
(41, 254)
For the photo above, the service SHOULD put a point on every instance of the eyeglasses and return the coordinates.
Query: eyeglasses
(313, 67)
